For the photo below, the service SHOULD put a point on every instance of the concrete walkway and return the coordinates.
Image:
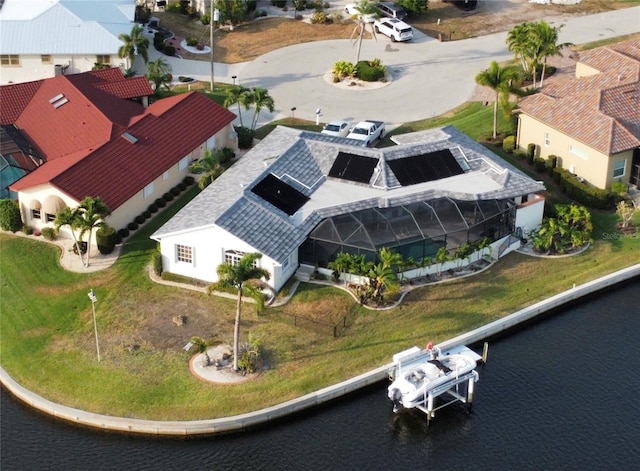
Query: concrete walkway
(428, 77)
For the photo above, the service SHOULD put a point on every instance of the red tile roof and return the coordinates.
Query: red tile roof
(169, 130)
(14, 98)
(600, 110)
(614, 56)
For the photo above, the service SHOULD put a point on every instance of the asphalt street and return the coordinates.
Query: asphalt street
(428, 77)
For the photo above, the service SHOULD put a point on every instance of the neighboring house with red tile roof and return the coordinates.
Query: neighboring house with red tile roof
(591, 122)
(43, 38)
(94, 142)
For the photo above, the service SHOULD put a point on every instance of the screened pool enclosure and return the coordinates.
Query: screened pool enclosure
(415, 230)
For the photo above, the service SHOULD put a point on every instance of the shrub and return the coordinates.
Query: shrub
(167, 197)
(205, 19)
(583, 192)
(509, 144)
(193, 12)
(370, 71)
(188, 180)
(106, 239)
(193, 42)
(132, 226)
(172, 7)
(551, 163)
(279, 3)
(520, 154)
(123, 233)
(156, 258)
(82, 245)
(251, 5)
(619, 188)
(118, 238)
(531, 152)
(28, 230)
(160, 203)
(175, 191)
(50, 233)
(182, 186)
(169, 50)
(245, 137)
(152, 208)
(10, 218)
(139, 219)
(225, 155)
(146, 214)
(413, 7)
(539, 164)
(342, 69)
(319, 18)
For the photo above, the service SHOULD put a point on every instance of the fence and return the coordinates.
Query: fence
(324, 327)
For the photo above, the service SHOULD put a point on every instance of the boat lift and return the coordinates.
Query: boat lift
(451, 390)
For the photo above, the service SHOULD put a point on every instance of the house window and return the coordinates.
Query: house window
(148, 190)
(103, 59)
(184, 253)
(165, 176)
(618, 168)
(35, 214)
(10, 59)
(46, 59)
(285, 264)
(579, 152)
(49, 217)
(232, 257)
(547, 139)
(184, 163)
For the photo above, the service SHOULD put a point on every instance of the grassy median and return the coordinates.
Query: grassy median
(47, 339)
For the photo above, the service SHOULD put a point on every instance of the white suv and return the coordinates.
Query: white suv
(397, 30)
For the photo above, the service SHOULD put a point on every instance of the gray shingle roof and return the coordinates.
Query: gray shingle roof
(303, 159)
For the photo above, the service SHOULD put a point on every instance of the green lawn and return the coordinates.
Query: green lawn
(47, 339)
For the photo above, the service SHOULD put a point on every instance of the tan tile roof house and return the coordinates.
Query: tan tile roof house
(591, 122)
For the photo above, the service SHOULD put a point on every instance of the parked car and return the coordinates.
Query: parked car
(367, 132)
(391, 10)
(352, 10)
(336, 128)
(397, 30)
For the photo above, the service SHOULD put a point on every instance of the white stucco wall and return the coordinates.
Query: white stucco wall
(529, 215)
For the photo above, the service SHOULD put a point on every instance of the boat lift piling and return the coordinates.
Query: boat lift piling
(451, 390)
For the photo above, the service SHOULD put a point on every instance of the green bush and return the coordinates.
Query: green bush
(175, 191)
(509, 144)
(342, 69)
(372, 71)
(205, 19)
(132, 226)
(583, 192)
(146, 214)
(532, 150)
(152, 208)
(319, 18)
(123, 233)
(160, 202)
(106, 239)
(169, 50)
(10, 218)
(539, 164)
(225, 155)
(279, 3)
(551, 163)
(245, 137)
(139, 219)
(413, 7)
(49, 233)
(520, 154)
(192, 42)
(188, 180)
(167, 197)
(619, 188)
(157, 261)
(28, 230)
(172, 7)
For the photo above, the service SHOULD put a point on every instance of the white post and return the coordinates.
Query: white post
(430, 413)
(93, 298)
(470, 393)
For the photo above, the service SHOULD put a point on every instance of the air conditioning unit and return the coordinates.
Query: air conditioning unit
(59, 69)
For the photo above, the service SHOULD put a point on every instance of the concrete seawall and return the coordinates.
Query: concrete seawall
(243, 421)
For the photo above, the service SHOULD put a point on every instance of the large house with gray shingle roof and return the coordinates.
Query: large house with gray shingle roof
(300, 197)
(592, 122)
(43, 38)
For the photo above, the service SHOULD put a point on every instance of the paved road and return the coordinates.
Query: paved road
(428, 77)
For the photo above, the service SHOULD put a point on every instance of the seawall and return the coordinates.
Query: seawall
(252, 419)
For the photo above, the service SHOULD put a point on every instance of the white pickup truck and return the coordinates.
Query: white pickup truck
(367, 132)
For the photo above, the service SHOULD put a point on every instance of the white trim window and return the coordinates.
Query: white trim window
(10, 60)
(148, 190)
(103, 59)
(619, 167)
(285, 263)
(232, 257)
(46, 59)
(579, 152)
(184, 254)
(184, 163)
(547, 139)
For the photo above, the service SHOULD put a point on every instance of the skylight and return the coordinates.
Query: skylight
(129, 137)
(58, 100)
(279, 194)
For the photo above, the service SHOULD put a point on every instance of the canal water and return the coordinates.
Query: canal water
(562, 393)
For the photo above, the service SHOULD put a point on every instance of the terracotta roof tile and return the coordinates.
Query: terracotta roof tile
(14, 98)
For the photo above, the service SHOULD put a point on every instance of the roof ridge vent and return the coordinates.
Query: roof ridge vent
(129, 137)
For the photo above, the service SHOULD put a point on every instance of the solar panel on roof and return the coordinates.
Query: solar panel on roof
(352, 167)
(425, 167)
(279, 194)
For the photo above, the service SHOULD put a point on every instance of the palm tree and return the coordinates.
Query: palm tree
(366, 9)
(236, 94)
(260, 99)
(69, 217)
(199, 345)
(547, 38)
(89, 216)
(442, 257)
(159, 73)
(135, 43)
(341, 264)
(382, 276)
(238, 276)
(500, 79)
(209, 168)
(519, 42)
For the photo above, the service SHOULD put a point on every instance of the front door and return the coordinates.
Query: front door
(634, 178)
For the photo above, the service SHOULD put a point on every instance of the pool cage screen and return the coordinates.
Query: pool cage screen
(416, 230)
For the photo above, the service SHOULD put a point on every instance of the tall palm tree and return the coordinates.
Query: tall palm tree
(547, 38)
(519, 42)
(69, 217)
(500, 79)
(159, 73)
(238, 276)
(209, 168)
(260, 99)
(236, 94)
(382, 276)
(89, 216)
(135, 43)
(365, 9)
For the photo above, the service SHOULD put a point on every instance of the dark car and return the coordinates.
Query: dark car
(391, 10)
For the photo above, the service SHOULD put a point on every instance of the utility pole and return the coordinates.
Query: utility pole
(93, 298)
(211, 21)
